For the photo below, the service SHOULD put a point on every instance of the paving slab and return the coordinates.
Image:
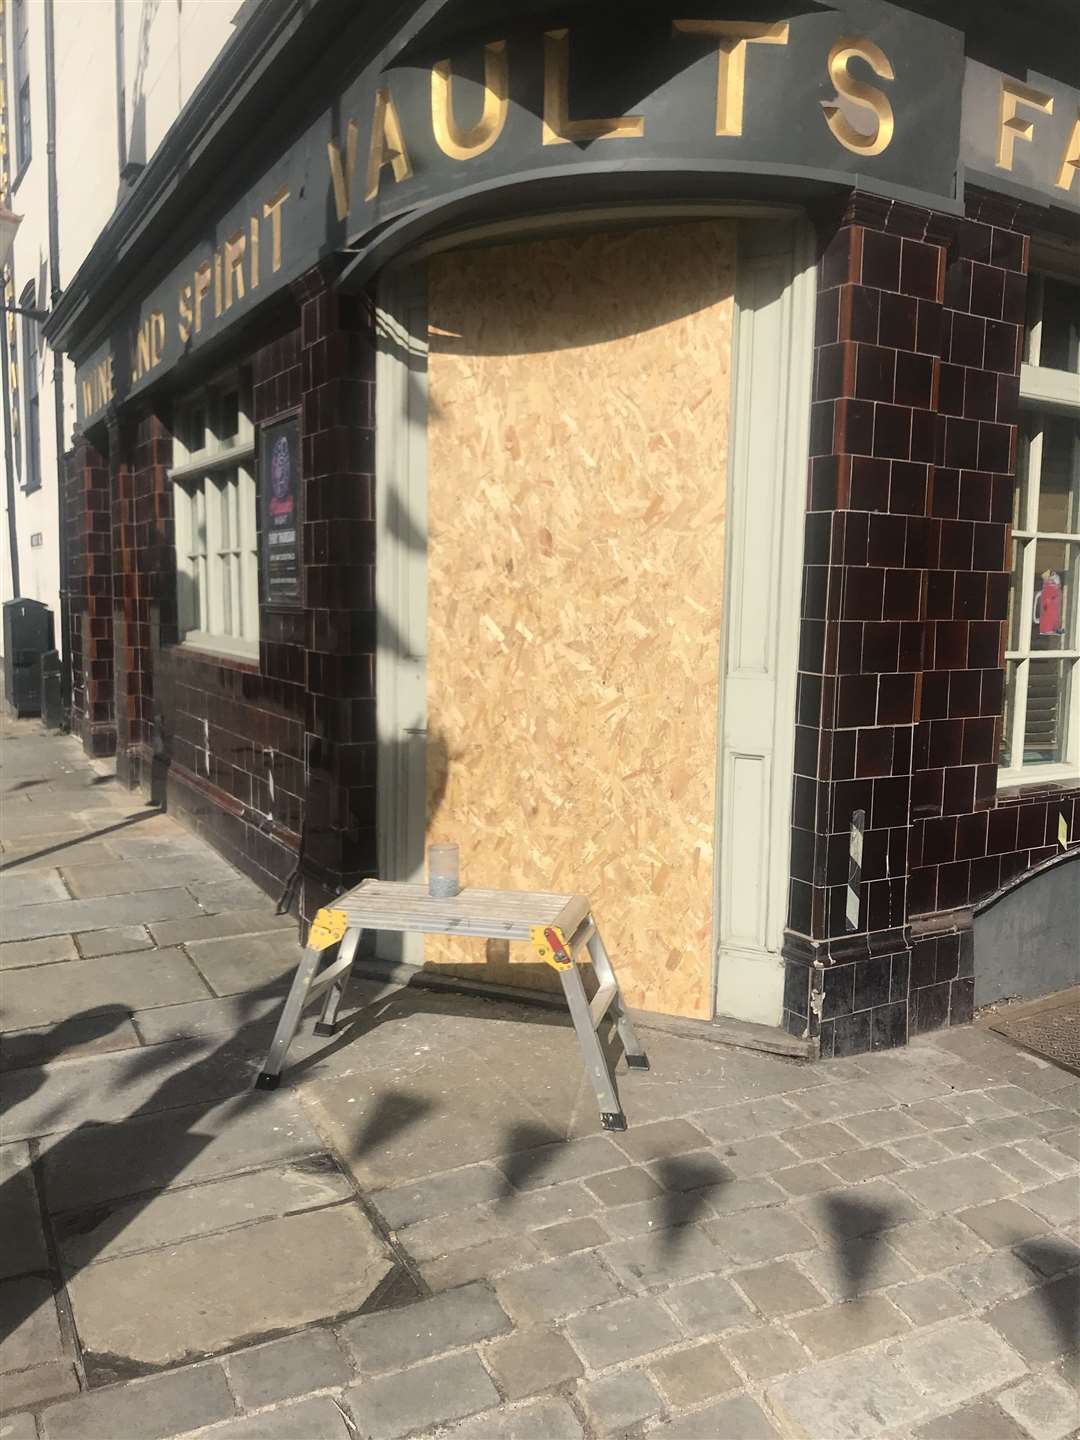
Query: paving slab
(393, 1338)
(765, 1352)
(48, 951)
(426, 1199)
(430, 1394)
(29, 1329)
(855, 1397)
(555, 1289)
(857, 1267)
(615, 1402)
(761, 1235)
(701, 1372)
(570, 1236)
(981, 1420)
(22, 1240)
(622, 1331)
(778, 1289)
(31, 887)
(169, 1216)
(66, 917)
(1004, 1222)
(249, 1016)
(1045, 1406)
(1042, 1324)
(119, 941)
(708, 1306)
(959, 1362)
(925, 1302)
(153, 1409)
(995, 1277)
(538, 1420)
(757, 1117)
(532, 1360)
(738, 1416)
(97, 1032)
(245, 962)
(29, 1389)
(661, 1138)
(842, 1328)
(317, 1418)
(152, 1308)
(662, 1259)
(938, 1244)
(1058, 1202)
(285, 1368)
(257, 920)
(52, 993)
(951, 1184)
(480, 1262)
(128, 878)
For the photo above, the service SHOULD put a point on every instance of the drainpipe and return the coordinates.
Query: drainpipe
(58, 359)
(9, 452)
(121, 100)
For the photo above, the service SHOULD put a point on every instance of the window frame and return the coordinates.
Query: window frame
(215, 510)
(1045, 395)
(20, 37)
(31, 477)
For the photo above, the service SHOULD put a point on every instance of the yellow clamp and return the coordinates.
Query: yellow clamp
(327, 929)
(550, 945)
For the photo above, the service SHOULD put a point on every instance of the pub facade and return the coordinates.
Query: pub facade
(641, 445)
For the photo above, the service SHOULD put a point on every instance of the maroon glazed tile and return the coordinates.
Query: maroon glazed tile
(892, 802)
(875, 372)
(839, 257)
(920, 757)
(818, 545)
(933, 695)
(914, 379)
(993, 692)
(974, 495)
(946, 744)
(859, 314)
(874, 752)
(957, 293)
(833, 372)
(953, 888)
(966, 340)
(1007, 249)
(958, 796)
(911, 646)
(957, 539)
(848, 647)
(1007, 409)
(907, 488)
(863, 594)
(854, 550)
(887, 539)
(922, 891)
(980, 394)
(939, 840)
(988, 550)
(897, 321)
(881, 262)
(1001, 346)
(901, 597)
(985, 876)
(903, 741)
(880, 646)
(822, 483)
(892, 432)
(920, 268)
(961, 443)
(986, 644)
(927, 437)
(869, 483)
(856, 700)
(978, 742)
(930, 327)
(973, 240)
(1002, 830)
(896, 699)
(855, 426)
(812, 645)
(987, 291)
(1031, 825)
(949, 640)
(965, 692)
(822, 424)
(997, 596)
(827, 317)
(927, 788)
(995, 446)
(971, 835)
(969, 595)
(841, 763)
(1014, 302)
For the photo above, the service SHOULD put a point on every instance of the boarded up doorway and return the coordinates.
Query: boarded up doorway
(578, 393)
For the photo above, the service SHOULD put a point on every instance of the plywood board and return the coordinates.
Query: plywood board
(577, 433)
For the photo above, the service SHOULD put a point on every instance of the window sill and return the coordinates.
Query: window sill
(213, 460)
(1038, 777)
(220, 647)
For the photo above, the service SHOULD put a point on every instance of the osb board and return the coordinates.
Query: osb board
(577, 446)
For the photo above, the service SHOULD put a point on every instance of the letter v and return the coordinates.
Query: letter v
(342, 178)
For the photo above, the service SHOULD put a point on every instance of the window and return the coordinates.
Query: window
(21, 31)
(1041, 737)
(214, 503)
(31, 407)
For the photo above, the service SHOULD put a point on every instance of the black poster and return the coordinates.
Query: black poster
(279, 498)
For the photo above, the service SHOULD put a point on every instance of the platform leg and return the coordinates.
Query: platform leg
(290, 1018)
(327, 1021)
(636, 1058)
(592, 1052)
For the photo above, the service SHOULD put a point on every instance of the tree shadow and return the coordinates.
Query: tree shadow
(687, 1181)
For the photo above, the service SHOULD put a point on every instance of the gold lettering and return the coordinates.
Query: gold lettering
(87, 398)
(183, 305)
(387, 144)
(1013, 127)
(157, 337)
(558, 128)
(142, 350)
(341, 175)
(254, 252)
(1070, 161)
(732, 38)
(272, 212)
(202, 289)
(217, 284)
(462, 144)
(866, 97)
(235, 247)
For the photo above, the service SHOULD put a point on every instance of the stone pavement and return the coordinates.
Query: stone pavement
(424, 1232)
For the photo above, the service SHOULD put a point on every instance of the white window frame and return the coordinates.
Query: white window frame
(215, 509)
(1044, 394)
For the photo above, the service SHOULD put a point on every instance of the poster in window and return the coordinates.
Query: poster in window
(279, 491)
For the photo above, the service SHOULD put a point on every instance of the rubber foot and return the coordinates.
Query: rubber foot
(267, 1082)
(637, 1062)
(321, 1029)
(613, 1120)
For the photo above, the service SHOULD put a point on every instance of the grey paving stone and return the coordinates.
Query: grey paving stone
(858, 1267)
(537, 1208)
(68, 917)
(144, 1409)
(31, 887)
(697, 1170)
(622, 1331)
(430, 1239)
(1003, 1222)
(615, 1402)
(920, 1150)
(245, 962)
(623, 1187)
(664, 1213)
(872, 1208)
(838, 1102)
(115, 942)
(740, 1195)
(392, 1338)
(101, 1031)
(813, 1142)
(48, 951)
(285, 1368)
(758, 1117)
(859, 1165)
(757, 1156)
(761, 1235)
(234, 892)
(661, 1138)
(31, 1333)
(18, 1427)
(151, 1308)
(687, 1377)
(1009, 1129)
(1049, 1255)
(933, 1114)
(51, 993)
(22, 1241)
(539, 1420)
(1045, 1406)
(1041, 1324)
(855, 1397)
(841, 1328)
(430, 1394)
(933, 1245)
(532, 1360)
(981, 1420)
(738, 1416)
(425, 1199)
(661, 1259)
(779, 1289)
(192, 1143)
(959, 1361)
(259, 920)
(549, 1164)
(993, 1278)
(1018, 1166)
(317, 1418)
(494, 1257)
(708, 1306)
(1058, 1202)
(925, 1302)
(88, 881)
(765, 1352)
(30, 1388)
(557, 1288)
(571, 1235)
(806, 1179)
(250, 1018)
(951, 1184)
(1048, 1156)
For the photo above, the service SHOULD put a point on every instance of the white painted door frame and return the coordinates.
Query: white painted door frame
(775, 287)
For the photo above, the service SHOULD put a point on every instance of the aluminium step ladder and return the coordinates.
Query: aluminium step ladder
(558, 927)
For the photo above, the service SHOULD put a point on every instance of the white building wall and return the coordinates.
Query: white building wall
(168, 47)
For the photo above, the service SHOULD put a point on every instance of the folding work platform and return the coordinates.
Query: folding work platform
(557, 926)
